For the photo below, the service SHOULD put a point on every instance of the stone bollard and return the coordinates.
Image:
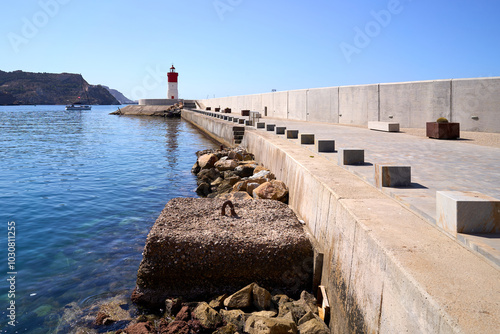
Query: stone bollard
(351, 156)
(270, 127)
(467, 212)
(280, 130)
(292, 134)
(326, 145)
(307, 139)
(392, 175)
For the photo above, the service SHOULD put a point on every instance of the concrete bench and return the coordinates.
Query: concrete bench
(384, 126)
(270, 127)
(292, 134)
(392, 175)
(280, 130)
(467, 212)
(351, 156)
(325, 145)
(307, 139)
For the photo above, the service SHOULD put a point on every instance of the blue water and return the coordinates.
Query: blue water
(83, 188)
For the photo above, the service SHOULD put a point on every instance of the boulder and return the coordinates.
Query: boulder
(309, 302)
(192, 251)
(240, 186)
(236, 196)
(259, 169)
(203, 189)
(261, 298)
(313, 326)
(207, 161)
(218, 302)
(251, 186)
(207, 316)
(225, 165)
(274, 189)
(217, 182)
(176, 327)
(140, 328)
(240, 299)
(263, 325)
(236, 317)
(266, 314)
(208, 175)
(172, 306)
(227, 329)
(264, 174)
(295, 308)
(196, 168)
(235, 156)
(244, 170)
(184, 314)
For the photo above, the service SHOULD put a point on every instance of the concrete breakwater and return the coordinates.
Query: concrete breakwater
(385, 269)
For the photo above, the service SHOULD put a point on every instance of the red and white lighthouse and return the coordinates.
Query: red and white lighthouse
(173, 93)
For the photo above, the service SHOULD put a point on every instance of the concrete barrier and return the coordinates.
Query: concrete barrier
(292, 134)
(392, 175)
(467, 212)
(384, 126)
(470, 102)
(351, 156)
(323, 145)
(307, 139)
(385, 269)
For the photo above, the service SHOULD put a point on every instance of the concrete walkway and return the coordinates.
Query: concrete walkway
(436, 165)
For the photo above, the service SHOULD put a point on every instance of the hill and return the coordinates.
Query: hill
(18, 87)
(119, 96)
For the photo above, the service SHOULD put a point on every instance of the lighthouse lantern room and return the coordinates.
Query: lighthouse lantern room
(172, 84)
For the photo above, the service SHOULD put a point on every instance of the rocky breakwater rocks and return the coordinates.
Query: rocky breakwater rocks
(193, 251)
(233, 174)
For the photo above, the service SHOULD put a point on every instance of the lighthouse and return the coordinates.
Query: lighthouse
(173, 93)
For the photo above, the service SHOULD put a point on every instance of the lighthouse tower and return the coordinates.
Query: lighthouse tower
(172, 84)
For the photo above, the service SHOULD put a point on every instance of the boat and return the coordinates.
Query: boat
(78, 106)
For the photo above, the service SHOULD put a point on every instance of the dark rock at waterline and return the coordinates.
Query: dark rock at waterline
(193, 252)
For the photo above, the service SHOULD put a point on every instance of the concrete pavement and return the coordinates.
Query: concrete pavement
(436, 165)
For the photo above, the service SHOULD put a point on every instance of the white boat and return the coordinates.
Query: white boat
(78, 107)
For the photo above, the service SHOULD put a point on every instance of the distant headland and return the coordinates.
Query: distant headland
(21, 88)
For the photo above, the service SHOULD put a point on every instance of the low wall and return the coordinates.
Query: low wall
(385, 269)
(159, 102)
(471, 102)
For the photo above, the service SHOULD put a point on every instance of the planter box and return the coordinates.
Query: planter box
(443, 130)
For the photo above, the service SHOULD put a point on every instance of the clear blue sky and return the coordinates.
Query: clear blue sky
(235, 47)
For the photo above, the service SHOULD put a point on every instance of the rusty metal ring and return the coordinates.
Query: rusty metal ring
(231, 206)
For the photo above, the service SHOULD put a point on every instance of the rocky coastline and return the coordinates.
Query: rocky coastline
(196, 257)
(233, 174)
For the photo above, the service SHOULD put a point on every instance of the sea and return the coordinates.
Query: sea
(79, 192)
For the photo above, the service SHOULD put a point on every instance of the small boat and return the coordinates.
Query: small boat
(76, 106)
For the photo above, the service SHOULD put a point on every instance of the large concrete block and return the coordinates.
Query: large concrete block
(270, 127)
(307, 139)
(326, 145)
(292, 134)
(467, 212)
(280, 130)
(384, 126)
(241, 121)
(192, 251)
(392, 175)
(351, 156)
(261, 125)
(236, 120)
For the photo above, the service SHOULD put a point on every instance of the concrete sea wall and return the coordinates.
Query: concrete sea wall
(384, 268)
(474, 103)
